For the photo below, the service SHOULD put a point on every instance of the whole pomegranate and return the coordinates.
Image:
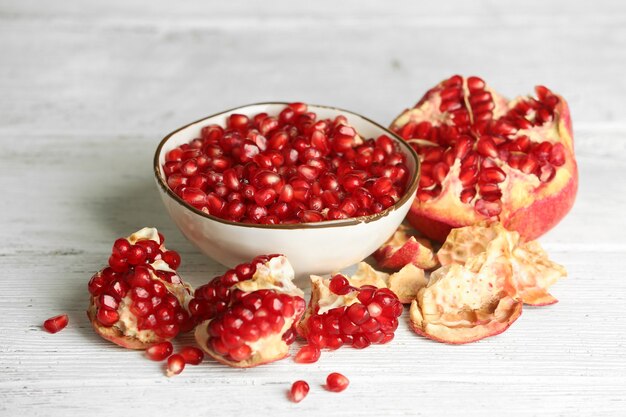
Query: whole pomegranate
(139, 299)
(484, 157)
(247, 316)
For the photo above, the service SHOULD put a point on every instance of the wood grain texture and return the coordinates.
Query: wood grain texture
(88, 88)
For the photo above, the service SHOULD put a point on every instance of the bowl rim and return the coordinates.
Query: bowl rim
(408, 194)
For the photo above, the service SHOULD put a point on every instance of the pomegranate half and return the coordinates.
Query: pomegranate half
(485, 157)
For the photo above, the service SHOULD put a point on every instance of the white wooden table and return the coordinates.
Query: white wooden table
(86, 91)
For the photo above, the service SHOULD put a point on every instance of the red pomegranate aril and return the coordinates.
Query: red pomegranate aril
(336, 382)
(546, 173)
(308, 354)
(339, 285)
(175, 365)
(56, 324)
(493, 174)
(194, 196)
(557, 155)
(159, 351)
(107, 317)
(191, 355)
(298, 391)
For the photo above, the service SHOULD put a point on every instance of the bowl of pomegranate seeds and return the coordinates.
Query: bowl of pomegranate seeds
(322, 185)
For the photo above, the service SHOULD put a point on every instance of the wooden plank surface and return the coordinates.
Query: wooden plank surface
(88, 88)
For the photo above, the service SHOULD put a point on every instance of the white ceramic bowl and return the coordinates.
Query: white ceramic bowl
(312, 248)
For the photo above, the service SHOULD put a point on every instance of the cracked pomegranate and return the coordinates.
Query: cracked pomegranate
(340, 313)
(247, 316)
(289, 168)
(139, 299)
(484, 157)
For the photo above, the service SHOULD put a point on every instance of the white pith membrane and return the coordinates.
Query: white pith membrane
(127, 324)
(403, 248)
(519, 190)
(277, 275)
(487, 275)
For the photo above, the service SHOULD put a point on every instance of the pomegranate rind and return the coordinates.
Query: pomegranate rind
(464, 304)
(529, 206)
(402, 249)
(405, 283)
(532, 272)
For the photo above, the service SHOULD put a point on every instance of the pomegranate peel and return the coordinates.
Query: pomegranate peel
(405, 283)
(247, 316)
(402, 248)
(532, 272)
(465, 304)
(139, 300)
(484, 157)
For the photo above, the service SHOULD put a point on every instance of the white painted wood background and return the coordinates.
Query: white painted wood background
(87, 89)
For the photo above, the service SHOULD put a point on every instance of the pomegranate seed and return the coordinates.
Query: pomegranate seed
(172, 258)
(159, 351)
(175, 365)
(107, 317)
(191, 355)
(299, 391)
(308, 354)
(56, 324)
(339, 285)
(336, 382)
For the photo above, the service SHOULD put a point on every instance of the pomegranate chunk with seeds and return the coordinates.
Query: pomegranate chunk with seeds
(247, 316)
(56, 324)
(403, 248)
(362, 316)
(289, 168)
(299, 390)
(484, 157)
(336, 382)
(139, 299)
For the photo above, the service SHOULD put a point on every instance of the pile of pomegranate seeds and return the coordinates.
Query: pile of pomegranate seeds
(483, 132)
(373, 319)
(128, 282)
(56, 324)
(292, 168)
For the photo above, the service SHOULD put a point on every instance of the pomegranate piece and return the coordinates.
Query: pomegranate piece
(402, 249)
(462, 305)
(160, 351)
(531, 272)
(192, 355)
(298, 391)
(139, 300)
(336, 382)
(363, 316)
(175, 365)
(484, 157)
(294, 168)
(247, 316)
(404, 284)
(56, 324)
